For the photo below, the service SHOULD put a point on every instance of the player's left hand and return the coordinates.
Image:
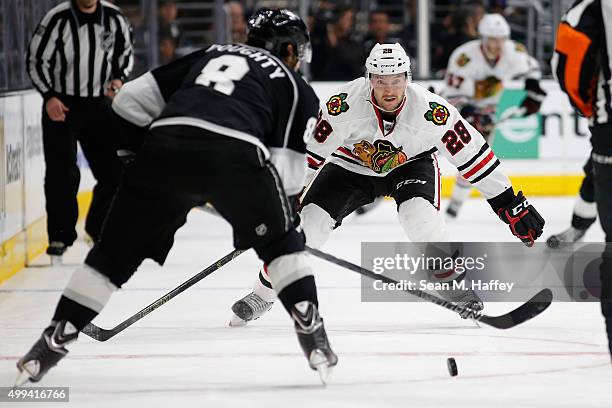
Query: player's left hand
(524, 220)
(535, 97)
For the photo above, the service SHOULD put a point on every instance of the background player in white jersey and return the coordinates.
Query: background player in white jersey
(380, 137)
(475, 78)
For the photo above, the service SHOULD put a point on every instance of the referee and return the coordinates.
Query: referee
(78, 58)
(582, 66)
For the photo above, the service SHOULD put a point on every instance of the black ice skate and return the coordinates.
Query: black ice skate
(565, 238)
(453, 209)
(466, 298)
(367, 208)
(462, 297)
(46, 352)
(250, 307)
(313, 339)
(55, 250)
(574, 233)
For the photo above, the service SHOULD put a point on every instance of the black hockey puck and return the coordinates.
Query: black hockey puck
(452, 366)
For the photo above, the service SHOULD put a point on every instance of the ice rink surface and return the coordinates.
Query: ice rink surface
(391, 354)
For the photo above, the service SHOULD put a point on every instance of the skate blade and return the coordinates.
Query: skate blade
(56, 260)
(236, 321)
(324, 371)
(23, 376)
(319, 362)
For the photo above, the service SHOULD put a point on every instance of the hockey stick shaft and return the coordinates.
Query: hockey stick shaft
(97, 333)
(415, 292)
(526, 311)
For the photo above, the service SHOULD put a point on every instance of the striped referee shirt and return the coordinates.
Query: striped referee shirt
(77, 54)
(581, 62)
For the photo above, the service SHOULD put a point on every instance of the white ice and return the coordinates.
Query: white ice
(391, 354)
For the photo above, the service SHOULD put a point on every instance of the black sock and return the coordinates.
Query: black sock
(582, 223)
(301, 289)
(74, 312)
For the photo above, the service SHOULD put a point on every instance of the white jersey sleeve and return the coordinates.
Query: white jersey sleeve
(465, 148)
(140, 101)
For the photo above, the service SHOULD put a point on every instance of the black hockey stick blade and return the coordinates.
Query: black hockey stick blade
(100, 334)
(526, 311)
(533, 307)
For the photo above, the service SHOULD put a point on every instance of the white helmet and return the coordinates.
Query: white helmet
(387, 59)
(493, 25)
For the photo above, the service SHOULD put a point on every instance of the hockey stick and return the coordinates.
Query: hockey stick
(528, 310)
(100, 334)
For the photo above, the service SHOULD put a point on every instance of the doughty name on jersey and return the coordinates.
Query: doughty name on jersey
(264, 59)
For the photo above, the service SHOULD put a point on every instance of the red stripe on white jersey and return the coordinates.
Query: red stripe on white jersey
(480, 165)
(313, 162)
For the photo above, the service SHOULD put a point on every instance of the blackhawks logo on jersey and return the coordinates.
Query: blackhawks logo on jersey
(438, 114)
(463, 60)
(381, 157)
(337, 104)
(485, 88)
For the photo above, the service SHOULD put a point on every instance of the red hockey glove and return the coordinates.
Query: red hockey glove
(524, 220)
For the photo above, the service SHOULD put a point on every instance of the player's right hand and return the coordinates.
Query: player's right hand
(56, 109)
(524, 220)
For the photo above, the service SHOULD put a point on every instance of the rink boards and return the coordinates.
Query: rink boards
(22, 202)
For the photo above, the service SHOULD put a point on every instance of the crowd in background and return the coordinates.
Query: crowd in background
(342, 34)
(342, 37)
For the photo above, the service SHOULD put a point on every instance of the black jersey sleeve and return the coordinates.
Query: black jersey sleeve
(297, 119)
(170, 77)
(143, 99)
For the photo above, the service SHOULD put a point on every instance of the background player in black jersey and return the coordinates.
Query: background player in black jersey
(232, 132)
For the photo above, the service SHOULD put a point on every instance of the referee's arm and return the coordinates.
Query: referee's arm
(40, 52)
(123, 55)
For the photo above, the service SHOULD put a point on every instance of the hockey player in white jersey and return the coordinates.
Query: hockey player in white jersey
(475, 78)
(381, 137)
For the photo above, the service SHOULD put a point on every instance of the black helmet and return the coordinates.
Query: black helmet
(273, 29)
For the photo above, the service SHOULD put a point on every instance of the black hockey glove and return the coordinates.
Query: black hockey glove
(525, 222)
(481, 121)
(535, 97)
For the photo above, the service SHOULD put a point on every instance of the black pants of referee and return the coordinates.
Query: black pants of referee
(602, 176)
(88, 122)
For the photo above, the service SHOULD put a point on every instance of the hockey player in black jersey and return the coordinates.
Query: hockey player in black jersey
(230, 130)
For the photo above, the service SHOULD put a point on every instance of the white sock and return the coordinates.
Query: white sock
(266, 293)
(585, 209)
